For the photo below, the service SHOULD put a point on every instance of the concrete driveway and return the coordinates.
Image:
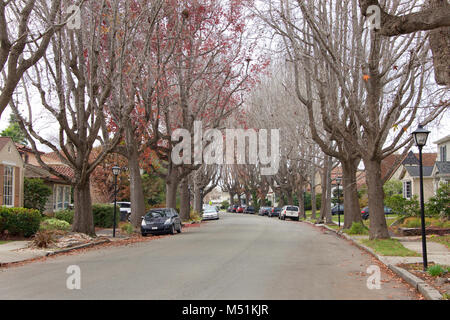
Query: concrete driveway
(238, 257)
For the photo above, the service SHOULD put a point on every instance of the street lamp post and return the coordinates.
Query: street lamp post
(420, 138)
(116, 171)
(338, 181)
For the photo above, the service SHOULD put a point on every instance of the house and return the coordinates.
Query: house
(410, 175)
(11, 174)
(61, 191)
(441, 168)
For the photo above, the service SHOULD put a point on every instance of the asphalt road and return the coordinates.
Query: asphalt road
(237, 257)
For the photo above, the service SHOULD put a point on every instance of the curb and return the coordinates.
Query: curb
(421, 286)
(87, 245)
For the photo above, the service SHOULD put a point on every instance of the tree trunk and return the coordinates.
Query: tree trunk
(185, 208)
(171, 189)
(301, 201)
(83, 220)
(231, 198)
(290, 198)
(198, 201)
(313, 195)
(378, 226)
(136, 189)
(352, 212)
(327, 204)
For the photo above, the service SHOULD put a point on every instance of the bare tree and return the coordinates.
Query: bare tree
(75, 84)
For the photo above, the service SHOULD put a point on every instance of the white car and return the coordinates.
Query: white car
(125, 210)
(210, 213)
(292, 212)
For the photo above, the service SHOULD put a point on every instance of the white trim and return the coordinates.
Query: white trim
(9, 163)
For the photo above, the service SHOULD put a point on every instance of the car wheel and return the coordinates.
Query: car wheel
(179, 229)
(143, 234)
(172, 230)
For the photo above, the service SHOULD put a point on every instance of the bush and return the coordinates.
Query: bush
(19, 221)
(104, 215)
(225, 204)
(402, 206)
(439, 205)
(436, 270)
(54, 224)
(66, 215)
(35, 194)
(127, 228)
(195, 216)
(43, 239)
(357, 228)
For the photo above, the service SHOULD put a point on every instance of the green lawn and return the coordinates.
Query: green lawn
(389, 247)
(3, 242)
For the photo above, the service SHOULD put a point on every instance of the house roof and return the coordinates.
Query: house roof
(32, 171)
(4, 141)
(414, 171)
(411, 159)
(443, 167)
(442, 140)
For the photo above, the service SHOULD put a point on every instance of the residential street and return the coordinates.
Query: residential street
(238, 257)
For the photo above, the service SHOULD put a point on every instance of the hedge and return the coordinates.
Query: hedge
(54, 224)
(103, 215)
(19, 221)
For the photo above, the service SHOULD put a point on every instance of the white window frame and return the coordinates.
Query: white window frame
(5, 170)
(65, 191)
(405, 189)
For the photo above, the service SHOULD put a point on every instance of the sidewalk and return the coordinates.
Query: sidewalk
(13, 252)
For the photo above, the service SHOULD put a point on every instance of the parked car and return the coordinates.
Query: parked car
(275, 212)
(234, 208)
(264, 211)
(162, 220)
(210, 213)
(240, 209)
(365, 212)
(249, 210)
(336, 208)
(291, 212)
(124, 209)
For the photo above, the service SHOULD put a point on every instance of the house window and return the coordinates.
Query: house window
(444, 153)
(407, 189)
(62, 197)
(8, 186)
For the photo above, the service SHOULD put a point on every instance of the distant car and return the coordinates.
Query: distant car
(240, 209)
(337, 208)
(365, 212)
(291, 212)
(275, 212)
(125, 210)
(210, 213)
(264, 211)
(250, 210)
(162, 220)
(234, 208)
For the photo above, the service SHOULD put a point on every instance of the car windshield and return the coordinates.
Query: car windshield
(124, 205)
(292, 208)
(209, 210)
(156, 214)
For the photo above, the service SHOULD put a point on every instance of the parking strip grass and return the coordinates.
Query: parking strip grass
(389, 247)
(3, 242)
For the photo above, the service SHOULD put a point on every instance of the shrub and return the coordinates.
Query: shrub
(357, 228)
(43, 239)
(66, 215)
(439, 205)
(195, 216)
(19, 221)
(127, 228)
(35, 194)
(54, 224)
(436, 270)
(225, 204)
(104, 215)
